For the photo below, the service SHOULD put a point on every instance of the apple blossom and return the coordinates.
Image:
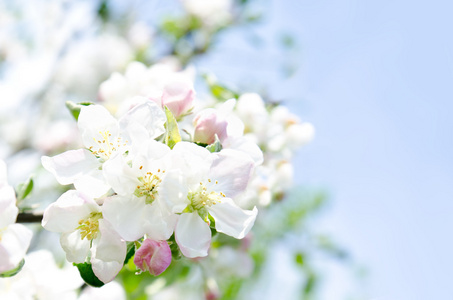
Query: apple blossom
(84, 233)
(14, 238)
(136, 209)
(205, 185)
(104, 136)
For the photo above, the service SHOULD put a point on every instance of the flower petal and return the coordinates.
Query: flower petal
(232, 169)
(193, 160)
(126, 215)
(159, 224)
(14, 242)
(231, 219)
(8, 208)
(193, 235)
(144, 121)
(70, 165)
(75, 247)
(92, 184)
(107, 253)
(173, 192)
(64, 214)
(93, 121)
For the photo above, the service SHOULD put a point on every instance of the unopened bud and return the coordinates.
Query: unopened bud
(207, 124)
(153, 256)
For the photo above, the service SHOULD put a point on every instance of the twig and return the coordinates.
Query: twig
(29, 218)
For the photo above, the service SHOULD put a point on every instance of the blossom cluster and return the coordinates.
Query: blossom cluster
(137, 180)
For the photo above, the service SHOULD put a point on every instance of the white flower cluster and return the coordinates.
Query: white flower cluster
(136, 179)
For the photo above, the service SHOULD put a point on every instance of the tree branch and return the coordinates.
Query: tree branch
(29, 218)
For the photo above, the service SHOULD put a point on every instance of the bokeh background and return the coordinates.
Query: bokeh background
(375, 78)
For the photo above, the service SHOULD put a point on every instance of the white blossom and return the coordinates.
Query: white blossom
(84, 233)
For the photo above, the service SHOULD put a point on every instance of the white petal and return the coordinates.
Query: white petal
(14, 242)
(70, 165)
(76, 249)
(8, 208)
(232, 169)
(173, 192)
(108, 253)
(143, 122)
(158, 223)
(64, 214)
(120, 176)
(231, 219)
(193, 160)
(94, 120)
(126, 215)
(92, 184)
(245, 145)
(193, 235)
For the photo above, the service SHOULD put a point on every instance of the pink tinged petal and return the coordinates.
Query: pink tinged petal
(94, 120)
(126, 215)
(92, 184)
(193, 235)
(76, 249)
(144, 121)
(231, 219)
(173, 191)
(70, 165)
(232, 169)
(8, 209)
(64, 214)
(153, 256)
(178, 97)
(107, 253)
(14, 242)
(207, 124)
(159, 224)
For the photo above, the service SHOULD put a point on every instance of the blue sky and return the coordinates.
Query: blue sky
(376, 80)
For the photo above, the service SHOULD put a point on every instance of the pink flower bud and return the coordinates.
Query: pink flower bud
(207, 124)
(153, 256)
(178, 97)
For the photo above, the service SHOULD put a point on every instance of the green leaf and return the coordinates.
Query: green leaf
(74, 108)
(300, 259)
(172, 137)
(216, 146)
(220, 92)
(24, 189)
(130, 251)
(14, 271)
(87, 274)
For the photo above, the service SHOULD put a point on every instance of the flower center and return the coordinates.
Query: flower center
(107, 145)
(148, 185)
(201, 197)
(89, 227)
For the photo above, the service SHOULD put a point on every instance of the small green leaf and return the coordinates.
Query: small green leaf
(172, 137)
(87, 274)
(74, 108)
(14, 271)
(24, 189)
(299, 259)
(130, 251)
(216, 146)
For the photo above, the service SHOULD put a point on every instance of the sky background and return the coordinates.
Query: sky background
(375, 78)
